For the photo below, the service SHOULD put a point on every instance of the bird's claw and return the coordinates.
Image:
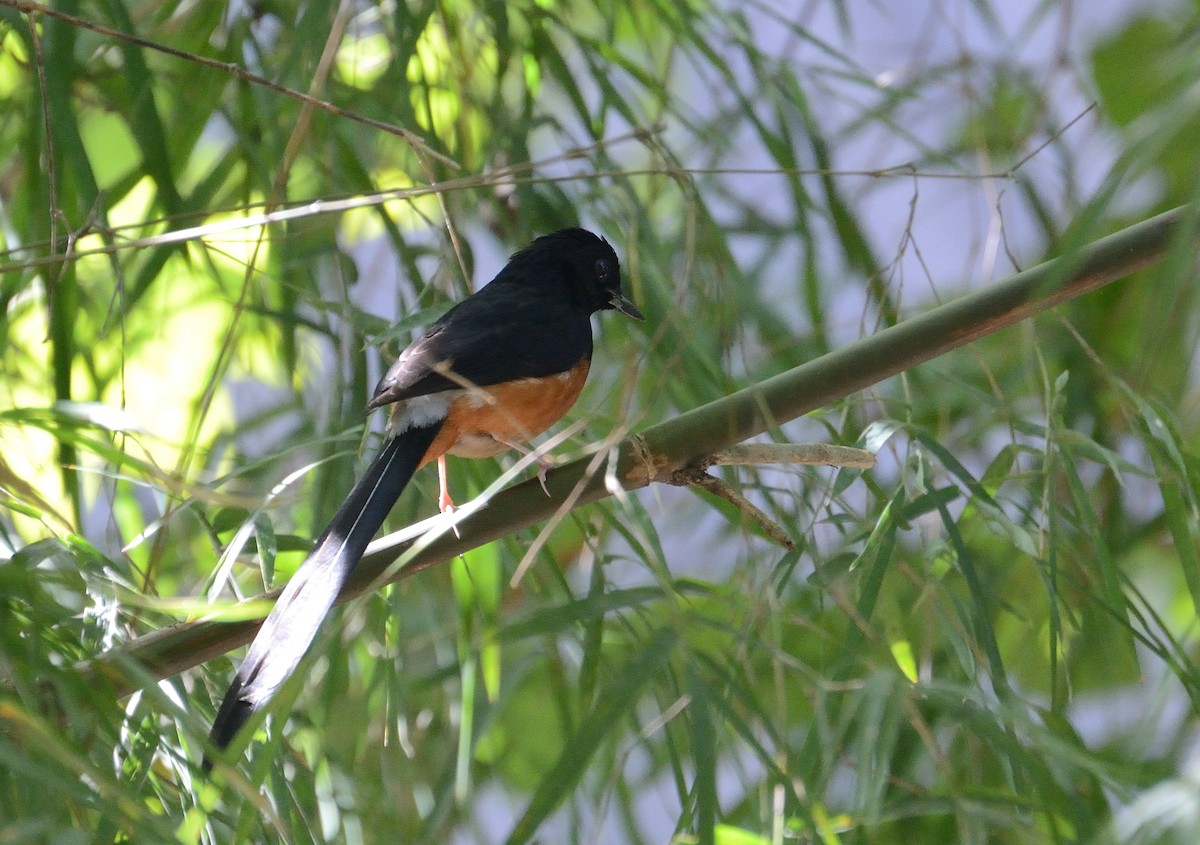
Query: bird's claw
(544, 465)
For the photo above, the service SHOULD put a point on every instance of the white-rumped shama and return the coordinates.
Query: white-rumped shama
(499, 368)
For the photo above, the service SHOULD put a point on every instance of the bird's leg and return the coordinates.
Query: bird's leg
(543, 463)
(445, 503)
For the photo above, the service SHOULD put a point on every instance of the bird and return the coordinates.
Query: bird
(497, 369)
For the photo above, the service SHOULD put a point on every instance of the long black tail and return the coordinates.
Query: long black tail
(305, 602)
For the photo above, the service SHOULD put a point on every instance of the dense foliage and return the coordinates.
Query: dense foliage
(218, 221)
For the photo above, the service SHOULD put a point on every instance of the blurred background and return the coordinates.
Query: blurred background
(220, 222)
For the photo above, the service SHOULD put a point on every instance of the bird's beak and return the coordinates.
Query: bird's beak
(620, 303)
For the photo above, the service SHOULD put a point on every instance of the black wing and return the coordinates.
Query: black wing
(489, 339)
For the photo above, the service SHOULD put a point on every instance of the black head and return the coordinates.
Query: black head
(586, 262)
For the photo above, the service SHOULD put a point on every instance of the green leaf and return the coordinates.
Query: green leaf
(613, 704)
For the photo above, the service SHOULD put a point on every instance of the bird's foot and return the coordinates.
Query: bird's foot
(543, 465)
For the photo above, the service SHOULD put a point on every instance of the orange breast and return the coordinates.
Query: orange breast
(482, 421)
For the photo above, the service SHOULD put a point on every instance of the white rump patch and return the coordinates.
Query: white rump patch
(422, 411)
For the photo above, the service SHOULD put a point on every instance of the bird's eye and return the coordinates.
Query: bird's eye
(601, 269)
